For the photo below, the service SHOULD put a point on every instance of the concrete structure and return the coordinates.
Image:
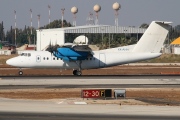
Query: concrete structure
(175, 46)
(57, 35)
(177, 50)
(5, 52)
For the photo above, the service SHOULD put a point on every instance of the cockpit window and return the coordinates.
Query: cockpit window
(22, 54)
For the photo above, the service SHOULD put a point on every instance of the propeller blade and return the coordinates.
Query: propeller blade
(53, 48)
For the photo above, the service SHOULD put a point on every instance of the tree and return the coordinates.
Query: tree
(177, 28)
(2, 34)
(144, 25)
(10, 36)
(57, 24)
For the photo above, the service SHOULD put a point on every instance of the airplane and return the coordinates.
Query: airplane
(148, 47)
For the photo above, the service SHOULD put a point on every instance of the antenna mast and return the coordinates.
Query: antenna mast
(38, 21)
(15, 26)
(31, 20)
(49, 14)
(62, 21)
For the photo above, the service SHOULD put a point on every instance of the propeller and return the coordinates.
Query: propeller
(56, 47)
(49, 47)
(52, 48)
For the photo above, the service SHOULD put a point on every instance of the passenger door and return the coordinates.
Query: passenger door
(38, 58)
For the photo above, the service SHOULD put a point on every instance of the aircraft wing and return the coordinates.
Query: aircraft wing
(78, 50)
(70, 52)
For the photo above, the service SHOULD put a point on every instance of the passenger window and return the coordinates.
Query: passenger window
(44, 58)
(90, 58)
(53, 58)
(29, 54)
(47, 58)
(22, 54)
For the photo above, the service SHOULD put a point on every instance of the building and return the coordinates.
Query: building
(57, 35)
(175, 46)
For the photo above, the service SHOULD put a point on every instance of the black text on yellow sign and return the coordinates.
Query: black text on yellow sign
(102, 93)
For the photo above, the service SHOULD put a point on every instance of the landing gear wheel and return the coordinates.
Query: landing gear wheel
(76, 72)
(20, 72)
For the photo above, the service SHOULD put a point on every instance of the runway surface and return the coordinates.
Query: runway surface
(94, 77)
(59, 109)
(127, 81)
(41, 116)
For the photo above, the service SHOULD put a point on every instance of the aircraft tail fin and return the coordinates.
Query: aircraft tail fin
(153, 38)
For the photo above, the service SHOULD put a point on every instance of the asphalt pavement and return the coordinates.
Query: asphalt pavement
(14, 109)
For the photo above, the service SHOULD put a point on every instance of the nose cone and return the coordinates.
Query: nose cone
(10, 62)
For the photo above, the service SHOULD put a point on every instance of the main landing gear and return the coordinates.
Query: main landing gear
(78, 72)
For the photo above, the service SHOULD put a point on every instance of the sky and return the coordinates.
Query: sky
(132, 12)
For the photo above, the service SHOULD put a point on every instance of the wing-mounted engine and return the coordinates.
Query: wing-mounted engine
(78, 50)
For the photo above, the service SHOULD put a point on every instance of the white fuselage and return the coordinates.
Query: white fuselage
(100, 59)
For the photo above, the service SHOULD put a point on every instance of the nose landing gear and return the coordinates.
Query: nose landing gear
(20, 72)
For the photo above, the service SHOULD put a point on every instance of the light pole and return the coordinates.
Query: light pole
(15, 26)
(49, 13)
(31, 27)
(31, 20)
(39, 27)
(62, 23)
(109, 40)
(38, 21)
